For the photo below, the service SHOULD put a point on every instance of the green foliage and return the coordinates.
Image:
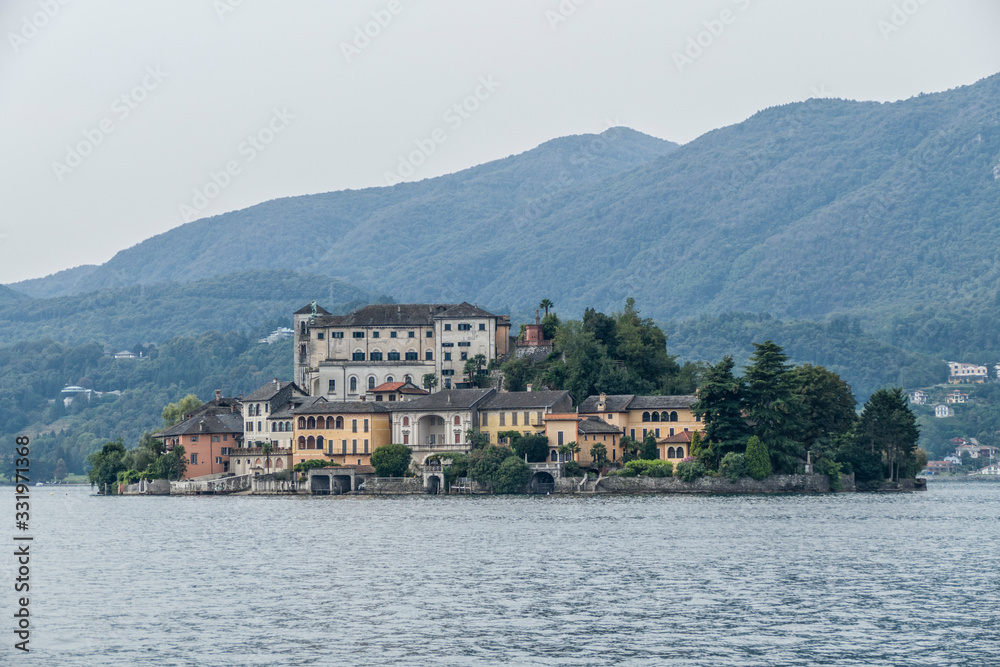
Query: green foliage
(720, 407)
(649, 448)
(648, 468)
(733, 466)
(430, 380)
(391, 460)
(484, 464)
(599, 455)
(304, 467)
(536, 447)
(832, 469)
(512, 475)
(631, 448)
(476, 439)
(174, 412)
(888, 426)
(758, 460)
(572, 469)
(772, 408)
(827, 407)
(106, 465)
(688, 471)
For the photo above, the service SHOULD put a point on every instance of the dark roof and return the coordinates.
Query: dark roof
(514, 400)
(459, 399)
(595, 425)
(285, 411)
(307, 310)
(345, 407)
(616, 403)
(227, 422)
(661, 402)
(268, 391)
(402, 314)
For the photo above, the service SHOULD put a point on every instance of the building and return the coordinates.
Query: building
(438, 422)
(586, 431)
(988, 470)
(341, 432)
(962, 373)
(976, 450)
(341, 357)
(126, 354)
(957, 397)
(208, 436)
(281, 333)
(521, 411)
(264, 419)
(938, 467)
(395, 391)
(918, 397)
(638, 415)
(941, 411)
(675, 447)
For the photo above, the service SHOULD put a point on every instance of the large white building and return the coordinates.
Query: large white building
(341, 357)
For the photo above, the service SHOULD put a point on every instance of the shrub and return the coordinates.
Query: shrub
(660, 469)
(831, 469)
(690, 470)
(391, 460)
(648, 468)
(758, 459)
(572, 469)
(512, 475)
(733, 466)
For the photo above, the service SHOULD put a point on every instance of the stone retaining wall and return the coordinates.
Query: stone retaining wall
(402, 487)
(717, 485)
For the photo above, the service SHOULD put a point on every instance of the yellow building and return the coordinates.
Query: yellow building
(344, 433)
(566, 428)
(521, 411)
(637, 415)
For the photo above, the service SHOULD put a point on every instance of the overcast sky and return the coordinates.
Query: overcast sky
(115, 114)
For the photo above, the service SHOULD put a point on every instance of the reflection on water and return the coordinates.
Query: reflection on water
(639, 580)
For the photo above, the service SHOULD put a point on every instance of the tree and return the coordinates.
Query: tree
(630, 449)
(266, 448)
(430, 380)
(772, 409)
(887, 425)
(105, 466)
(649, 449)
(720, 408)
(476, 439)
(758, 461)
(174, 412)
(546, 304)
(535, 447)
(391, 460)
(828, 407)
(484, 464)
(60, 472)
(512, 475)
(599, 454)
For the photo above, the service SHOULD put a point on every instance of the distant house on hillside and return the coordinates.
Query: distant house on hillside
(957, 397)
(126, 354)
(962, 373)
(918, 397)
(941, 411)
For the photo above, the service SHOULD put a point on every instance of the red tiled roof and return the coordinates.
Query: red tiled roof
(389, 386)
(683, 436)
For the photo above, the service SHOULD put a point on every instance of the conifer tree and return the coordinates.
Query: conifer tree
(720, 408)
(758, 459)
(772, 408)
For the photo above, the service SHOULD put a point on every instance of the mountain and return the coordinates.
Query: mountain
(826, 206)
(129, 316)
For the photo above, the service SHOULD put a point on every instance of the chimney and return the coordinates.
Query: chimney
(529, 387)
(218, 394)
(537, 321)
(602, 402)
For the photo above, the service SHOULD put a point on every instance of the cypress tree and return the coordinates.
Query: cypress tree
(758, 460)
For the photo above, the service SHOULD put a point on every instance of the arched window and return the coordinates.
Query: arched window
(310, 442)
(376, 355)
(311, 423)
(354, 385)
(645, 416)
(458, 420)
(258, 462)
(389, 378)
(319, 442)
(670, 453)
(554, 455)
(656, 416)
(371, 382)
(278, 463)
(393, 355)
(664, 417)
(288, 426)
(680, 452)
(302, 327)
(673, 416)
(302, 422)
(281, 426)
(407, 378)
(329, 423)
(302, 442)
(406, 421)
(339, 423)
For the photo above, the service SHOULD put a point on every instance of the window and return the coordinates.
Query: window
(680, 452)
(458, 420)
(249, 428)
(215, 438)
(218, 459)
(302, 353)
(447, 327)
(336, 334)
(559, 438)
(366, 426)
(447, 345)
(527, 419)
(354, 446)
(447, 383)
(464, 356)
(539, 419)
(412, 356)
(371, 382)
(632, 433)
(673, 416)
(376, 356)
(482, 326)
(448, 371)
(657, 432)
(412, 334)
(429, 356)
(225, 436)
(343, 447)
(393, 356)
(354, 426)
(226, 451)
(194, 438)
(671, 431)
(485, 419)
(503, 418)
(302, 422)
(447, 356)
(464, 344)
(358, 356)
(354, 385)
(194, 459)
(366, 446)
(389, 378)
(406, 421)
(465, 327)
(406, 438)
(392, 334)
(259, 427)
(429, 334)
(375, 334)
(319, 335)
(358, 334)
(302, 328)
(331, 385)
(645, 416)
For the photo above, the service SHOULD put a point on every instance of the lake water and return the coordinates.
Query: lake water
(852, 579)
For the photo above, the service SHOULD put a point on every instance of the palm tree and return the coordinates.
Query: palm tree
(266, 448)
(546, 304)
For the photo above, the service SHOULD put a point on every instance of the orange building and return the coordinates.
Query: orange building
(340, 432)
(563, 429)
(208, 436)
(636, 416)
